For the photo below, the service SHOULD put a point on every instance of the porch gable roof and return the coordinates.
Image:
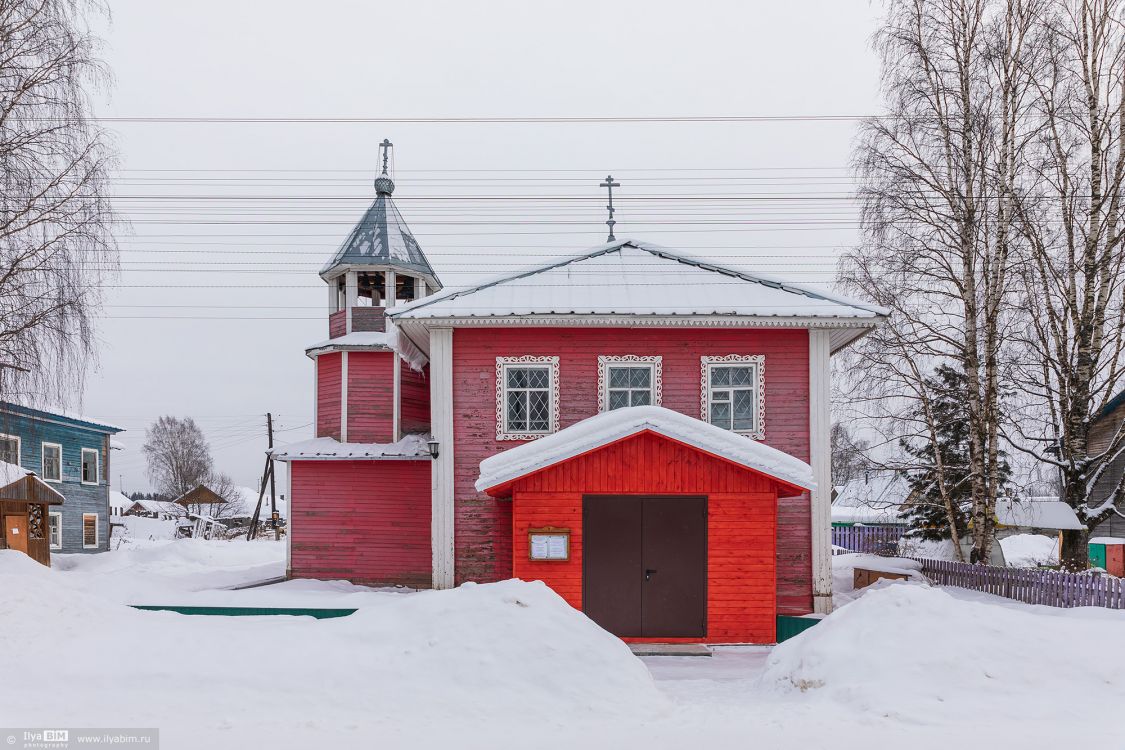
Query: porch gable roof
(499, 472)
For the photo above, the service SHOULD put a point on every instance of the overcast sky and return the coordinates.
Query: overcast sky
(218, 295)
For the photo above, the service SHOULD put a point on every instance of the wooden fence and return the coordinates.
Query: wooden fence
(1032, 586)
(870, 539)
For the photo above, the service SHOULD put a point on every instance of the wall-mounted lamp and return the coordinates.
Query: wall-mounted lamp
(433, 445)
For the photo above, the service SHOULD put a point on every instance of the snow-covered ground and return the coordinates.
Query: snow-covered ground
(511, 665)
(1030, 550)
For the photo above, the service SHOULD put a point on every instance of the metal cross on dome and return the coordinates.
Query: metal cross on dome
(610, 184)
(386, 146)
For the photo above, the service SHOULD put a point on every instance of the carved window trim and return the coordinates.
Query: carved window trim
(756, 360)
(502, 365)
(628, 360)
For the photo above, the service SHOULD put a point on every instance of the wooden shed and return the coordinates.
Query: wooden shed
(24, 498)
(201, 495)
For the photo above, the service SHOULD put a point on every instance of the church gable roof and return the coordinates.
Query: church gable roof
(628, 277)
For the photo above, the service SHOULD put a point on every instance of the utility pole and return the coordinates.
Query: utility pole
(267, 476)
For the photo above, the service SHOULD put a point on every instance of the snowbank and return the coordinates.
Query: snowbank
(843, 573)
(439, 662)
(1030, 550)
(918, 654)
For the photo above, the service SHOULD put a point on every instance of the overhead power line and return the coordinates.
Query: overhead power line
(479, 119)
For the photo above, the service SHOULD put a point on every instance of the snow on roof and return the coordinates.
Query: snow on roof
(874, 498)
(326, 449)
(390, 339)
(11, 473)
(116, 445)
(636, 278)
(54, 411)
(157, 506)
(611, 426)
(247, 500)
(1036, 514)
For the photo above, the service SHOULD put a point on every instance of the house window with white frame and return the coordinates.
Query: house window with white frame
(90, 472)
(52, 462)
(628, 381)
(527, 395)
(733, 393)
(89, 530)
(10, 449)
(54, 530)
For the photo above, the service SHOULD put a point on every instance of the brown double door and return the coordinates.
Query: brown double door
(644, 564)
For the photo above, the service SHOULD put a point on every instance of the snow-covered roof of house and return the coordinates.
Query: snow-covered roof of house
(390, 340)
(633, 278)
(327, 449)
(49, 410)
(874, 498)
(156, 506)
(1036, 514)
(11, 473)
(381, 238)
(611, 426)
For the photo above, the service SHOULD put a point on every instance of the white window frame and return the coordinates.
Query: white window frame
(19, 446)
(97, 466)
(43, 462)
(706, 364)
(97, 531)
(58, 517)
(605, 362)
(502, 366)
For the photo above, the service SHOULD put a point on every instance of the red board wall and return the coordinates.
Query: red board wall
(414, 393)
(741, 527)
(483, 542)
(328, 392)
(366, 521)
(371, 397)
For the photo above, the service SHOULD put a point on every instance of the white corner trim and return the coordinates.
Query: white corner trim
(758, 360)
(820, 459)
(604, 361)
(502, 363)
(441, 427)
(396, 401)
(343, 397)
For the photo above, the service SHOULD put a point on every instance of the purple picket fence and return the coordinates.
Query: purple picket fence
(1031, 586)
(870, 539)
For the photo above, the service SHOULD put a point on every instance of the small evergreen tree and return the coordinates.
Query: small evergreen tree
(927, 515)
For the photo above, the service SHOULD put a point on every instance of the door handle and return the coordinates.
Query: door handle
(648, 574)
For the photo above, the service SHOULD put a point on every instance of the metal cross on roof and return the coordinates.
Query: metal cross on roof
(386, 147)
(609, 183)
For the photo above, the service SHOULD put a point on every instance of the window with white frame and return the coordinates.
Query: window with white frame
(527, 397)
(52, 462)
(89, 530)
(733, 393)
(54, 530)
(10, 449)
(628, 380)
(89, 466)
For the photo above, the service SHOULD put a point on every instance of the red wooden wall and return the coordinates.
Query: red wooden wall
(414, 395)
(741, 530)
(366, 521)
(371, 397)
(483, 542)
(328, 392)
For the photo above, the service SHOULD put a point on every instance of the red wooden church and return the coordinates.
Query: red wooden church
(645, 432)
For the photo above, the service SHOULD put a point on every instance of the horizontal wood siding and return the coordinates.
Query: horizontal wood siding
(414, 395)
(337, 324)
(371, 397)
(482, 544)
(328, 395)
(364, 521)
(741, 534)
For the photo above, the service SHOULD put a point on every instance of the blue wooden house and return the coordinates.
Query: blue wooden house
(70, 453)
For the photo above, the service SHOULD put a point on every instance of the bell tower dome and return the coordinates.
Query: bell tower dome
(378, 266)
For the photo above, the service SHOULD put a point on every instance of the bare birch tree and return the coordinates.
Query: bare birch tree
(935, 175)
(55, 216)
(1070, 360)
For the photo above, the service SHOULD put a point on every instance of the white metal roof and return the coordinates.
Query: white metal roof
(1037, 514)
(328, 449)
(636, 278)
(608, 427)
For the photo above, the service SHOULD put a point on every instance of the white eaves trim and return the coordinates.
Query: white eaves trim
(329, 449)
(602, 429)
(389, 340)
